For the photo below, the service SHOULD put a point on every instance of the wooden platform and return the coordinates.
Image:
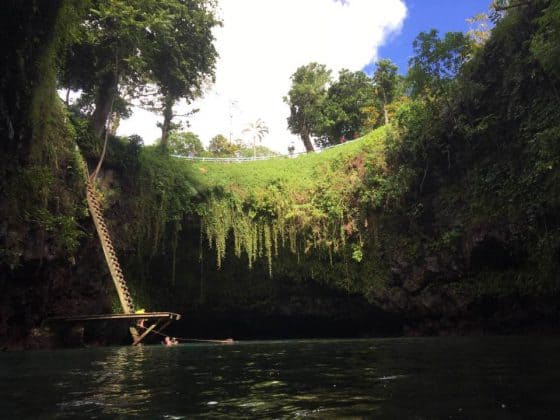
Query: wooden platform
(157, 322)
(172, 316)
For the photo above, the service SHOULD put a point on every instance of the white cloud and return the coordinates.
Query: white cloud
(261, 44)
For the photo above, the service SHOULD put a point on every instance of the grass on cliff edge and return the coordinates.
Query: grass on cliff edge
(300, 172)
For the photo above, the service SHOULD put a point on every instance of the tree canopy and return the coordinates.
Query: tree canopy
(220, 146)
(437, 62)
(545, 45)
(327, 111)
(256, 130)
(185, 144)
(385, 81)
(349, 99)
(306, 99)
(124, 46)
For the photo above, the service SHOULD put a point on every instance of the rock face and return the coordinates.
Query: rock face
(41, 289)
(432, 294)
(449, 293)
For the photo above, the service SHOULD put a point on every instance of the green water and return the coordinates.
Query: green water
(459, 378)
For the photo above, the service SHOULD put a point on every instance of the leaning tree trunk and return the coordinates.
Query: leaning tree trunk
(167, 118)
(104, 102)
(307, 141)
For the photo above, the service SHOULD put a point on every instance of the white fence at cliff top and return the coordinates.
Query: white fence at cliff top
(252, 159)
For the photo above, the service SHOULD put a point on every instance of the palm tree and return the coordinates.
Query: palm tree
(256, 130)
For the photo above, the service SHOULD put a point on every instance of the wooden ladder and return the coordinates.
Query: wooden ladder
(109, 251)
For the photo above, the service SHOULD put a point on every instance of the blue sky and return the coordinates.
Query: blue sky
(423, 15)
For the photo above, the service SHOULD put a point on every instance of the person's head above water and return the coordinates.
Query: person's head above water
(170, 341)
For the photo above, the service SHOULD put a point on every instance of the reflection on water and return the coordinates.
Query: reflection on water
(392, 378)
(120, 379)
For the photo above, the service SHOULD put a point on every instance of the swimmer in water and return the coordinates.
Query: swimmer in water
(170, 341)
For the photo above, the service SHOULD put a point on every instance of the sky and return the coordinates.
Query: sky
(263, 42)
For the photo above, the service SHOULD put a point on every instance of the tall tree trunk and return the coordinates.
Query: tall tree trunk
(307, 140)
(115, 122)
(104, 102)
(385, 112)
(167, 118)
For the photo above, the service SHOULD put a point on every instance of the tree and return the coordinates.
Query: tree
(346, 107)
(220, 147)
(504, 5)
(545, 45)
(437, 62)
(306, 99)
(125, 44)
(480, 30)
(185, 144)
(183, 60)
(385, 81)
(105, 55)
(256, 131)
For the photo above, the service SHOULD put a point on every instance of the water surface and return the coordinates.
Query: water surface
(458, 378)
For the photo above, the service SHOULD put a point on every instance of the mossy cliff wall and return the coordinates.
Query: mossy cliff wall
(44, 226)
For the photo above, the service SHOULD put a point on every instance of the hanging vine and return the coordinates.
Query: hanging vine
(317, 215)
